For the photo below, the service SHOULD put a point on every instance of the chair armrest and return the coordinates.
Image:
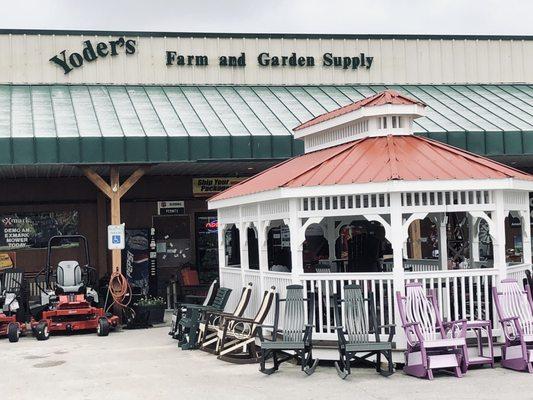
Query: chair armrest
(410, 324)
(508, 319)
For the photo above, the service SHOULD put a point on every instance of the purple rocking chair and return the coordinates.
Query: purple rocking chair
(429, 347)
(515, 311)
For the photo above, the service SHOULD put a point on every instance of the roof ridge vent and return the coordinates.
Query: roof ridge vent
(386, 113)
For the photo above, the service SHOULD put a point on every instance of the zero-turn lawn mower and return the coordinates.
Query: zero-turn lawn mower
(13, 315)
(68, 302)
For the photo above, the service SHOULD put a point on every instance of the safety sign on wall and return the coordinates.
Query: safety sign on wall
(115, 237)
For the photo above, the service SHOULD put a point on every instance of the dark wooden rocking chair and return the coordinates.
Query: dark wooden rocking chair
(296, 335)
(354, 336)
(189, 324)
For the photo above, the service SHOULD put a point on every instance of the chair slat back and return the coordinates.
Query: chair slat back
(211, 294)
(221, 298)
(264, 309)
(355, 319)
(243, 301)
(418, 308)
(294, 318)
(12, 281)
(514, 302)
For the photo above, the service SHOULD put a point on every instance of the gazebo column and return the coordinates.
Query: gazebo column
(498, 236)
(473, 227)
(243, 250)
(397, 240)
(221, 230)
(526, 235)
(442, 222)
(295, 228)
(262, 241)
(331, 236)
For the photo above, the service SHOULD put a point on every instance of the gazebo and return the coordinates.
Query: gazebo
(363, 163)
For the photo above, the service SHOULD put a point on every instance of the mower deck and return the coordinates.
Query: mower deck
(73, 313)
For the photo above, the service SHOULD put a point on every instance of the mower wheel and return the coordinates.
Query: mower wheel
(41, 331)
(103, 327)
(13, 332)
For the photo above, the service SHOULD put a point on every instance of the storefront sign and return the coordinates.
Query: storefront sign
(266, 59)
(92, 52)
(210, 186)
(170, 207)
(116, 237)
(32, 230)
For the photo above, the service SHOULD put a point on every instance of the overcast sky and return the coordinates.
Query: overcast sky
(281, 16)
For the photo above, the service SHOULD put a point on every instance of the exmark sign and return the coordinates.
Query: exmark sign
(92, 52)
(116, 237)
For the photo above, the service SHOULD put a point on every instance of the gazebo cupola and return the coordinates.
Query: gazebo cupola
(386, 113)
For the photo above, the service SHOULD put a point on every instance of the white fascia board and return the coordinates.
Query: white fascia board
(373, 187)
(414, 110)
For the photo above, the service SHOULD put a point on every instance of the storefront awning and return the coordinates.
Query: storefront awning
(80, 124)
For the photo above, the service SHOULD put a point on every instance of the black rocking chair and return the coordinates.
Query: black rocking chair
(296, 335)
(354, 336)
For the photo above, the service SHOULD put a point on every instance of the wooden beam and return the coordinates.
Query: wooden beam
(97, 180)
(132, 180)
(116, 258)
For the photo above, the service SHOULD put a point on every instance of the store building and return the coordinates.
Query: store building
(196, 113)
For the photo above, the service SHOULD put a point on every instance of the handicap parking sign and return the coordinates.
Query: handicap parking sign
(115, 237)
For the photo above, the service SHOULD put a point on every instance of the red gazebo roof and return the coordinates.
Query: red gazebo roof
(375, 159)
(382, 98)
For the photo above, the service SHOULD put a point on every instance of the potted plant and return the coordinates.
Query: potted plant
(152, 307)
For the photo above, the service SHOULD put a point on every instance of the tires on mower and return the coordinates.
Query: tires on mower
(41, 331)
(103, 327)
(13, 332)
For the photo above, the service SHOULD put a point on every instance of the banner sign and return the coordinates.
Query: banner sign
(32, 230)
(210, 186)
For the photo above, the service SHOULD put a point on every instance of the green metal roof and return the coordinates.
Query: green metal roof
(124, 124)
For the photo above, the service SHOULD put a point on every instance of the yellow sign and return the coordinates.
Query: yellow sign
(211, 186)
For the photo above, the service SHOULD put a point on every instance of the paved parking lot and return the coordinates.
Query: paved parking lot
(147, 364)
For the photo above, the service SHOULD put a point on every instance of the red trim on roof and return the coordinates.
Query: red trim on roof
(376, 159)
(386, 97)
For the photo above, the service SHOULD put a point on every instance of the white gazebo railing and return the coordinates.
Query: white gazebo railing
(461, 294)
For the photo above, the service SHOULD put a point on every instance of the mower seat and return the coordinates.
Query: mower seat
(69, 279)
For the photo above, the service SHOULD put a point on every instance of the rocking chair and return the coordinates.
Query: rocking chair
(236, 338)
(181, 309)
(189, 324)
(515, 311)
(296, 334)
(354, 336)
(428, 347)
(212, 320)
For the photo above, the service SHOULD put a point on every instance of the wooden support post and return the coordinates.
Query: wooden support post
(114, 191)
(416, 245)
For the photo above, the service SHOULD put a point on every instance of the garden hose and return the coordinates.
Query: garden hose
(120, 290)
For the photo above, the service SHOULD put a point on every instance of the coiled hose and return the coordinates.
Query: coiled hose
(120, 290)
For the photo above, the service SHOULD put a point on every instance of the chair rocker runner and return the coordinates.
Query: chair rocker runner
(296, 333)
(354, 336)
(515, 311)
(212, 320)
(236, 338)
(181, 308)
(189, 324)
(428, 346)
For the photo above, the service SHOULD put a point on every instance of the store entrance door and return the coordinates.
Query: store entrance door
(207, 246)
(173, 247)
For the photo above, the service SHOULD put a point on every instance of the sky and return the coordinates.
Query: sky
(496, 17)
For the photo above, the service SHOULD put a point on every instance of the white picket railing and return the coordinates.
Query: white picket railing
(324, 286)
(461, 294)
(231, 278)
(415, 265)
(254, 277)
(518, 271)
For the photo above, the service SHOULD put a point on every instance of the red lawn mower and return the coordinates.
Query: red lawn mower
(68, 301)
(12, 305)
